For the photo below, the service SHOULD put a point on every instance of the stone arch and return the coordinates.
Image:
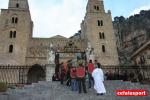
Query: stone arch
(36, 73)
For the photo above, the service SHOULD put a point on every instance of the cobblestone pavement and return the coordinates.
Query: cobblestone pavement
(55, 91)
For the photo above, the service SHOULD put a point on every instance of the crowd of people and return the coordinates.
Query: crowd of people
(77, 77)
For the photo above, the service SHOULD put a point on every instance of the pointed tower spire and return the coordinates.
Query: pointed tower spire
(18, 4)
(95, 6)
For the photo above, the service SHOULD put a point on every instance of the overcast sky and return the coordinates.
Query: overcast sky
(63, 17)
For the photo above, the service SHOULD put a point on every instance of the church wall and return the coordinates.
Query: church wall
(92, 29)
(23, 30)
(37, 50)
(29, 50)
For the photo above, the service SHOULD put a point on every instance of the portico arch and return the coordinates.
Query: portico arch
(36, 73)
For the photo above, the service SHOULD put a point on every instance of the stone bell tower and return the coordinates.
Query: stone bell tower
(97, 29)
(19, 4)
(15, 31)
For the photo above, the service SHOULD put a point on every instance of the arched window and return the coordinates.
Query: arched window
(100, 35)
(99, 23)
(14, 34)
(16, 20)
(97, 8)
(12, 20)
(11, 34)
(94, 7)
(103, 48)
(10, 48)
(17, 5)
(103, 35)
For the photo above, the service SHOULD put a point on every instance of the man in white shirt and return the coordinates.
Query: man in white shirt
(98, 80)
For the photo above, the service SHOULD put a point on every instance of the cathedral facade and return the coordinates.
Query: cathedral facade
(18, 47)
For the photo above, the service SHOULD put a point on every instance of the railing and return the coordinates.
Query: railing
(19, 74)
(15, 74)
(127, 73)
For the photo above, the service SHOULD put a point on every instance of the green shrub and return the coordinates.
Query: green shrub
(3, 87)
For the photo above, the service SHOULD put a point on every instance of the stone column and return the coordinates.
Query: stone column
(50, 70)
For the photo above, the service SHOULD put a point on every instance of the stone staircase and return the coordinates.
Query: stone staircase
(55, 91)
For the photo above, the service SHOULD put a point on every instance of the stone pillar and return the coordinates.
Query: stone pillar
(50, 70)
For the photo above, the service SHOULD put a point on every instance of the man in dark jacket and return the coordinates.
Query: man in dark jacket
(62, 73)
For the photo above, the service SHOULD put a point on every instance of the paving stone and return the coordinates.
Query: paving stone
(3, 97)
(55, 91)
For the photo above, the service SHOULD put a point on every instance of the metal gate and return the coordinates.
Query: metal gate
(15, 74)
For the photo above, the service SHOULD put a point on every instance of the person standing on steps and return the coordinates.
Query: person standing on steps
(62, 73)
(95, 64)
(98, 76)
(90, 70)
(73, 79)
(80, 74)
(68, 77)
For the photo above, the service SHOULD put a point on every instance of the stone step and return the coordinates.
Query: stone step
(54, 91)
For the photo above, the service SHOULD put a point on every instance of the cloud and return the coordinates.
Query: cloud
(55, 17)
(137, 11)
(62, 18)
